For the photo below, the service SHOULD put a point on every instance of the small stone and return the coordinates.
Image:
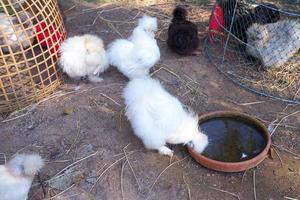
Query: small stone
(30, 127)
(68, 111)
(292, 188)
(65, 180)
(92, 177)
(291, 169)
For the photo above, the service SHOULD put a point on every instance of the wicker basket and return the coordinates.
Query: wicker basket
(30, 34)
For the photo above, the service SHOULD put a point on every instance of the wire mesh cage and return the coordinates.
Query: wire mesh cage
(256, 45)
(30, 34)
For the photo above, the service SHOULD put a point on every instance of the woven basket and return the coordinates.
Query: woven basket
(30, 34)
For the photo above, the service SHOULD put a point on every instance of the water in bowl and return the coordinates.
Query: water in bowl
(232, 140)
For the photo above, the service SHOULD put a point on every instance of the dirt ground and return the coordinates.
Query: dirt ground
(91, 152)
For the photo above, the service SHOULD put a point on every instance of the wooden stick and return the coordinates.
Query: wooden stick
(110, 99)
(224, 191)
(283, 118)
(187, 187)
(122, 173)
(74, 163)
(163, 172)
(135, 177)
(61, 192)
(284, 149)
(254, 188)
(99, 177)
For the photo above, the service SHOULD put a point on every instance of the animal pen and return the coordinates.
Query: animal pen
(30, 33)
(256, 45)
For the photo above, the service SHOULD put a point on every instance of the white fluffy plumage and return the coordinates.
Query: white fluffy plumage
(136, 55)
(158, 118)
(17, 175)
(83, 56)
(274, 44)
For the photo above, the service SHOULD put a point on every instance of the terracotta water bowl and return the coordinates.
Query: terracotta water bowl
(240, 165)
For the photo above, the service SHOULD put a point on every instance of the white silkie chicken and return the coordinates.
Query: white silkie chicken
(82, 56)
(158, 118)
(17, 175)
(136, 55)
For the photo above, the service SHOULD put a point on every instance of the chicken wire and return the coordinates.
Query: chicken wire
(30, 34)
(256, 45)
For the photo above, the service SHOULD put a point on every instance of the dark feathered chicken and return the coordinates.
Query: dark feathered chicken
(244, 16)
(267, 13)
(228, 7)
(182, 34)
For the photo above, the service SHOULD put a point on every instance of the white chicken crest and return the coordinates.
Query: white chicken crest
(136, 55)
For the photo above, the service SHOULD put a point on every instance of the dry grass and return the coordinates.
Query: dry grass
(282, 82)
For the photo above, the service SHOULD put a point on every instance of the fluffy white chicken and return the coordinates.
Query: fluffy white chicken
(136, 55)
(82, 56)
(158, 118)
(17, 175)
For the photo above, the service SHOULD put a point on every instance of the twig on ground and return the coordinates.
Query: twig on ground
(19, 116)
(244, 174)
(59, 94)
(122, 173)
(276, 152)
(284, 149)
(163, 172)
(254, 187)
(224, 191)
(109, 24)
(102, 11)
(290, 198)
(74, 163)
(187, 187)
(283, 118)
(69, 9)
(89, 10)
(250, 103)
(61, 192)
(105, 172)
(110, 99)
(57, 161)
(120, 118)
(130, 21)
(281, 125)
(130, 152)
(30, 108)
(132, 170)
(20, 150)
(77, 136)
(113, 164)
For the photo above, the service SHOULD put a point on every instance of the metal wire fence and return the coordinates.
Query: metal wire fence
(257, 46)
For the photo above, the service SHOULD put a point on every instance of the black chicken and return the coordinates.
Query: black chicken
(182, 34)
